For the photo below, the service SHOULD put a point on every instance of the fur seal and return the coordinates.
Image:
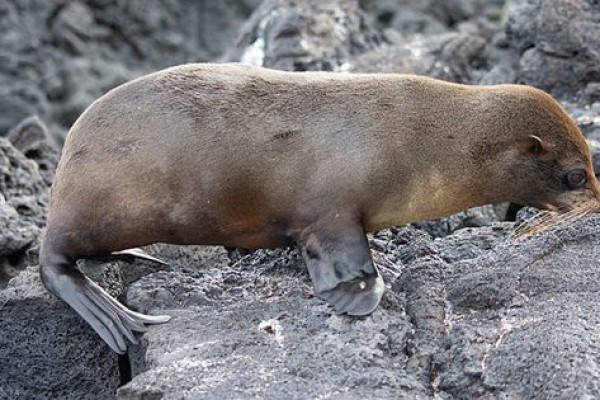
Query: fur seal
(248, 157)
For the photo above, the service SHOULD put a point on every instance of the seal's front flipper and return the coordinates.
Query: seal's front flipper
(357, 297)
(109, 318)
(341, 268)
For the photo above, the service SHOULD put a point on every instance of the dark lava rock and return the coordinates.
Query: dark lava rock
(46, 350)
(428, 16)
(471, 218)
(586, 115)
(56, 57)
(253, 330)
(518, 319)
(595, 147)
(558, 42)
(23, 200)
(336, 36)
(16, 236)
(21, 184)
(469, 313)
(495, 325)
(311, 35)
(450, 56)
(32, 138)
(403, 245)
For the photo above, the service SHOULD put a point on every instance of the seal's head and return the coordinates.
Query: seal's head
(548, 161)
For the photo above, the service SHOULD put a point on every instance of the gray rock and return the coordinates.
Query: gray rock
(47, 351)
(23, 200)
(473, 217)
(57, 57)
(450, 56)
(469, 313)
(253, 330)
(32, 138)
(587, 117)
(412, 21)
(429, 16)
(470, 243)
(306, 35)
(557, 41)
(499, 74)
(592, 91)
(16, 236)
(518, 319)
(502, 61)
(404, 245)
(20, 178)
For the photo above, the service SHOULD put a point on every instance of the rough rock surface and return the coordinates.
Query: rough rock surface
(558, 42)
(16, 237)
(428, 16)
(56, 57)
(468, 313)
(337, 36)
(32, 138)
(310, 35)
(45, 349)
(520, 317)
(23, 200)
(21, 184)
(282, 342)
(497, 320)
(450, 56)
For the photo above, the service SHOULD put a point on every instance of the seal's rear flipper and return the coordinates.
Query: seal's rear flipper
(341, 268)
(109, 318)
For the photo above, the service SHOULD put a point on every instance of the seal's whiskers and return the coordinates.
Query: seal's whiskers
(547, 219)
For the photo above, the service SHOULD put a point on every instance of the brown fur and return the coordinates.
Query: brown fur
(248, 157)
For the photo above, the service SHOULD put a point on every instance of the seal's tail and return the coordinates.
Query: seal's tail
(109, 318)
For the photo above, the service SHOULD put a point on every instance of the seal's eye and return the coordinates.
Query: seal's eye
(576, 178)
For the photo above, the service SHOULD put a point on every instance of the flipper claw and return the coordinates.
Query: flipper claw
(131, 254)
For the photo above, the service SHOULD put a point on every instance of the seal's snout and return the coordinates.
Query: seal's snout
(595, 189)
(593, 202)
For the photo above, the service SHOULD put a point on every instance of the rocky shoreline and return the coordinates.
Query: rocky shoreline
(469, 312)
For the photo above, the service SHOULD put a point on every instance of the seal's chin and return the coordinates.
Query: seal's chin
(559, 206)
(543, 205)
(571, 201)
(564, 208)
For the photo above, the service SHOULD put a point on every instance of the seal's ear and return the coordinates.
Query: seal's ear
(535, 146)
